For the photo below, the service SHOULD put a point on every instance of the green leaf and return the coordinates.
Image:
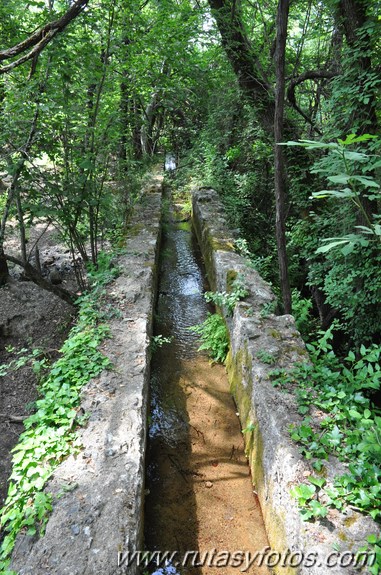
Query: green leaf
(353, 139)
(303, 491)
(355, 156)
(330, 246)
(311, 144)
(339, 179)
(318, 481)
(366, 181)
(339, 194)
(318, 509)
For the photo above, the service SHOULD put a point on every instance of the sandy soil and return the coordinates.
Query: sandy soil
(205, 499)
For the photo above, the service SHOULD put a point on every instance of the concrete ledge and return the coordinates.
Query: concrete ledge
(275, 461)
(99, 494)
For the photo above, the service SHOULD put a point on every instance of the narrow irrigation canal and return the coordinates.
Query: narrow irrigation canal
(200, 496)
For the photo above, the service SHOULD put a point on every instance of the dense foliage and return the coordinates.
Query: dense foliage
(118, 82)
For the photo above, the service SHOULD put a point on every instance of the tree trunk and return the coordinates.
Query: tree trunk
(136, 127)
(245, 63)
(4, 272)
(36, 278)
(279, 162)
(147, 128)
(124, 107)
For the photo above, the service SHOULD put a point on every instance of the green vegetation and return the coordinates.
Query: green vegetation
(213, 331)
(266, 357)
(348, 426)
(214, 337)
(228, 299)
(50, 432)
(158, 341)
(85, 111)
(24, 356)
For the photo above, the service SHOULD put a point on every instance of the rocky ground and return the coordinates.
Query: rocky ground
(30, 318)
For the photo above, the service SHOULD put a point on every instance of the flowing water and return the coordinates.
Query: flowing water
(200, 501)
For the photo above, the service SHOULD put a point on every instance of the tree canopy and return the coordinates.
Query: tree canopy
(91, 90)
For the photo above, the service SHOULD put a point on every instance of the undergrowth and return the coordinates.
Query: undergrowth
(214, 337)
(50, 433)
(213, 331)
(340, 419)
(228, 299)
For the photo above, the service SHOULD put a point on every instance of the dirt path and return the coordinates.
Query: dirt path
(201, 497)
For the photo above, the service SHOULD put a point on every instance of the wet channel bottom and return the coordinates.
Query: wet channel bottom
(200, 502)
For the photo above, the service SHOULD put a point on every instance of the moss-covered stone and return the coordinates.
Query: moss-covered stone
(221, 244)
(275, 333)
(133, 230)
(241, 386)
(349, 521)
(231, 276)
(185, 226)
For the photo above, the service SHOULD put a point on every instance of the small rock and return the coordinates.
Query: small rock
(208, 484)
(75, 529)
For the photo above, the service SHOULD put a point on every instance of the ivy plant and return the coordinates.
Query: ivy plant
(50, 432)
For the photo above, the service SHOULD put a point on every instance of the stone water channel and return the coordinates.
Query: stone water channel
(199, 493)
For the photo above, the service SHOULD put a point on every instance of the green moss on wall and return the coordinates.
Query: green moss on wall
(239, 368)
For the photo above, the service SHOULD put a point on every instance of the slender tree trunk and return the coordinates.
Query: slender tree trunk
(13, 193)
(4, 272)
(150, 115)
(22, 232)
(279, 161)
(124, 106)
(136, 128)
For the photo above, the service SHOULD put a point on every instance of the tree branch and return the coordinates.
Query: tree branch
(42, 282)
(308, 75)
(13, 418)
(39, 39)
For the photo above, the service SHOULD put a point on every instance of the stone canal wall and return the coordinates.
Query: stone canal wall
(99, 493)
(256, 337)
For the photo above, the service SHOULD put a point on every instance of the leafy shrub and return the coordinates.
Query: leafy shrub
(214, 337)
(301, 310)
(344, 257)
(349, 427)
(228, 299)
